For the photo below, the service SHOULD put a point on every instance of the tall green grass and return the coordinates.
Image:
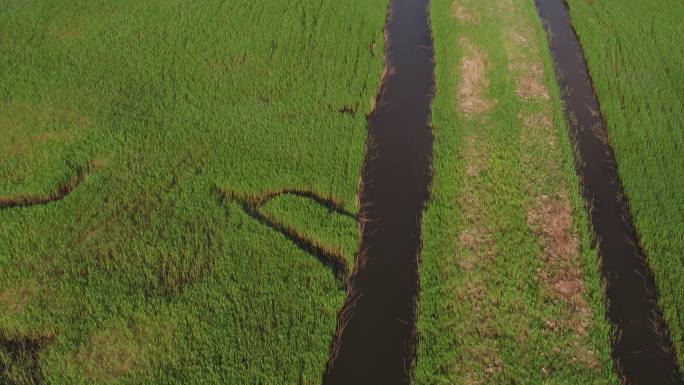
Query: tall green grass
(339, 233)
(141, 275)
(635, 58)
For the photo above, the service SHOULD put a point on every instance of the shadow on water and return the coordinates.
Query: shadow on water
(375, 341)
(642, 348)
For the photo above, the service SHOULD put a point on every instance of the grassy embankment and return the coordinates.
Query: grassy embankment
(510, 287)
(142, 274)
(635, 58)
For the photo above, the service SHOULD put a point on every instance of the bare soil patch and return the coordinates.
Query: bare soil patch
(474, 83)
(524, 55)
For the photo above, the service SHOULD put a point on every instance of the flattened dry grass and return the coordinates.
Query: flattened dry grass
(474, 83)
(120, 350)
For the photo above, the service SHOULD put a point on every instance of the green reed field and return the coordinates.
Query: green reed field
(510, 286)
(182, 114)
(635, 58)
(148, 272)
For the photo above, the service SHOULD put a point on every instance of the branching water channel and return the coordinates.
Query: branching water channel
(375, 341)
(642, 349)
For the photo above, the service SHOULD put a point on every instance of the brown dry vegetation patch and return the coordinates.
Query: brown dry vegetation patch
(551, 220)
(550, 217)
(74, 29)
(14, 299)
(117, 351)
(108, 357)
(480, 360)
(524, 55)
(550, 211)
(529, 83)
(474, 83)
(475, 236)
(462, 13)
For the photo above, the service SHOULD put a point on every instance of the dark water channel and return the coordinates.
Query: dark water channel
(642, 349)
(376, 332)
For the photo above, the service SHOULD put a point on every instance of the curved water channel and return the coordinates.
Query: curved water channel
(58, 194)
(642, 348)
(375, 341)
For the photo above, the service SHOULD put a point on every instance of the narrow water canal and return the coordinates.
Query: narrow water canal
(642, 349)
(376, 332)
